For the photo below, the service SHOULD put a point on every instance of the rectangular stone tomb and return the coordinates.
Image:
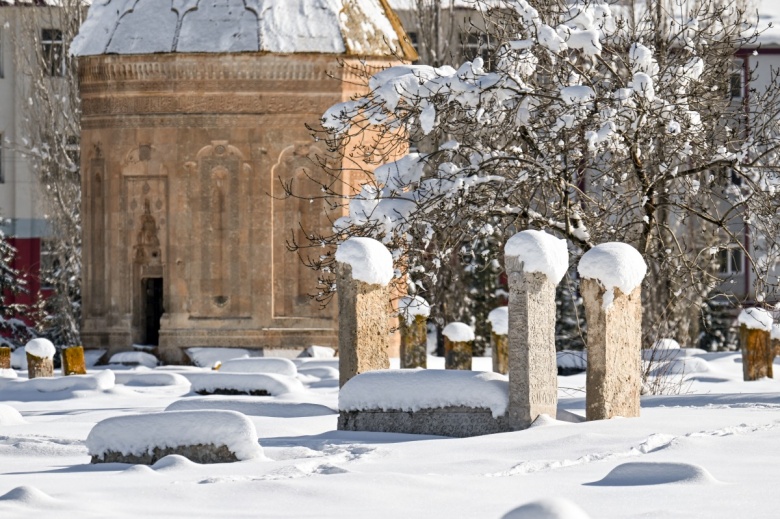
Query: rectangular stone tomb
(433, 402)
(454, 421)
(257, 384)
(203, 436)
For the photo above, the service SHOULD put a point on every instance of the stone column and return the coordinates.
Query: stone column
(73, 361)
(499, 339)
(5, 358)
(40, 358)
(413, 315)
(533, 372)
(363, 325)
(612, 275)
(535, 263)
(458, 346)
(39, 367)
(755, 340)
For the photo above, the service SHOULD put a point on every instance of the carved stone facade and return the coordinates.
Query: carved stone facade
(185, 223)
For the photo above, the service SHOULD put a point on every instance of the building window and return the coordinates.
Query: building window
(72, 150)
(414, 40)
(736, 84)
(730, 260)
(49, 263)
(474, 45)
(51, 48)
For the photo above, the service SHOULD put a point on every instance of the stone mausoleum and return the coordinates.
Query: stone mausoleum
(194, 114)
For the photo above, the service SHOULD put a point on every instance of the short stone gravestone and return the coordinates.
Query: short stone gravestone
(40, 358)
(413, 315)
(458, 346)
(73, 361)
(755, 328)
(5, 358)
(499, 338)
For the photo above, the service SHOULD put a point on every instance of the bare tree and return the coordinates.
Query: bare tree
(51, 144)
(598, 124)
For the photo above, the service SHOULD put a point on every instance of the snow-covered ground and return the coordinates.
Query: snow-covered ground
(712, 451)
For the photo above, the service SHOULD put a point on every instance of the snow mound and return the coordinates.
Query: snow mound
(539, 252)
(41, 348)
(319, 371)
(660, 354)
(774, 334)
(10, 416)
(260, 365)
(173, 462)
(100, 381)
(411, 307)
(207, 357)
(318, 352)
(371, 262)
(499, 320)
(251, 407)
(756, 319)
(19, 359)
(666, 344)
(150, 379)
(28, 495)
(553, 508)
(143, 470)
(458, 332)
(139, 434)
(8, 373)
(640, 473)
(316, 363)
(572, 359)
(614, 265)
(134, 358)
(680, 366)
(415, 389)
(243, 383)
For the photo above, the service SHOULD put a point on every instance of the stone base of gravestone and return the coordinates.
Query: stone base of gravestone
(533, 371)
(363, 325)
(757, 353)
(457, 355)
(198, 453)
(414, 342)
(73, 361)
(38, 367)
(454, 421)
(5, 358)
(500, 346)
(613, 381)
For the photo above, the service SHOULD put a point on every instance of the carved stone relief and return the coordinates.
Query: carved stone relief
(293, 217)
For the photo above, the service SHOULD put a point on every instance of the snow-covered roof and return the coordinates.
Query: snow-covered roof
(352, 27)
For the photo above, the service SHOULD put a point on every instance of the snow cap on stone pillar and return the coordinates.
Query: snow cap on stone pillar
(540, 252)
(613, 265)
(410, 307)
(756, 319)
(371, 262)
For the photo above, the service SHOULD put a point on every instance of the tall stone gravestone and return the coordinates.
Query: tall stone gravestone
(612, 274)
(536, 262)
(364, 270)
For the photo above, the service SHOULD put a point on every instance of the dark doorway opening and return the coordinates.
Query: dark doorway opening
(152, 309)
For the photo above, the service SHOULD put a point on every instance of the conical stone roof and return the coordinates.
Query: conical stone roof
(347, 27)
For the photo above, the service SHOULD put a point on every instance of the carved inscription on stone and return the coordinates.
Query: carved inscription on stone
(221, 195)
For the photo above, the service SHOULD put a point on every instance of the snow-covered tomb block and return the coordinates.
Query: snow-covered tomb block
(433, 402)
(200, 436)
(276, 365)
(256, 384)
